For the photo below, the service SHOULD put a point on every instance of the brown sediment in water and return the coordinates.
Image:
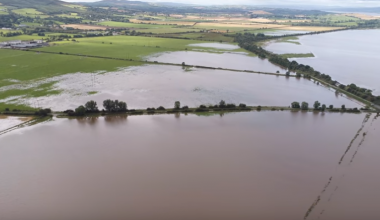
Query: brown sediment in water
(168, 166)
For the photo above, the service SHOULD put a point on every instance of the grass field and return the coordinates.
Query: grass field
(125, 47)
(309, 28)
(21, 69)
(132, 25)
(362, 16)
(206, 36)
(169, 30)
(167, 22)
(30, 12)
(72, 15)
(80, 7)
(84, 27)
(26, 11)
(20, 37)
(297, 55)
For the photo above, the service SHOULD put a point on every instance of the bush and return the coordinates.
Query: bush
(259, 108)
(185, 107)
(243, 105)
(230, 106)
(161, 108)
(80, 111)
(43, 112)
(7, 109)
(222, 104)
(202, 106)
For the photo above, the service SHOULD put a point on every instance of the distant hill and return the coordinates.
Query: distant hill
(46, 6)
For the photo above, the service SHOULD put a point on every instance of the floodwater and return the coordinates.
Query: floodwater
(231, 60)
(256, 165)
(284, 32)
(348, 56)
(223, 46)
(154, 86)
(7, 122)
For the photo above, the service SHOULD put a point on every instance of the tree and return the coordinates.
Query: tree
(177, 105)
(317, 105)
(305, 106)
(323, 107)
(183, 64)
(343, 107)
(122, 106)
(91, 106)
(109, 105)
(296, 105)
(81, 110)
(222, 104)
(331, 107)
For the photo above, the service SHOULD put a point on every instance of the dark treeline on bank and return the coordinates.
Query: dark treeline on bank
(116, 106)
(248, 41)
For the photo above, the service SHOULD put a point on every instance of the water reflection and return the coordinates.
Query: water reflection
(92, 120)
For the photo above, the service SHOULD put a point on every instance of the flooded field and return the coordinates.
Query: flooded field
(154, 86)
(224, 46)
(239, 166)
(7, 122)
(348, 56)
(232, 60)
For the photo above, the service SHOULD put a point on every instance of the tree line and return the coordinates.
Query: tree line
(317, 106)
(248, 40)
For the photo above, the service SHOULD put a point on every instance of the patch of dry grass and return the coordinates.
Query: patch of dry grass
(84, 27)
(362, 16)
(309, 28)
(185, 23)
(239, 25)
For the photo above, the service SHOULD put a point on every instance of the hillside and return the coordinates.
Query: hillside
(46, 6)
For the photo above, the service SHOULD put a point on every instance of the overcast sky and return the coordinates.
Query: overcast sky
(356, 3)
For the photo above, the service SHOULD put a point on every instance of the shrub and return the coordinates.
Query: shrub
(202, 106)
(296, 105)
(259, 108)
(243, 105)
(80, 111)
(185, 107)
(161, 108)
(222, 104)
(230, 106)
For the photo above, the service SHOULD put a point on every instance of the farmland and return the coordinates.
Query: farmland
(21, 69)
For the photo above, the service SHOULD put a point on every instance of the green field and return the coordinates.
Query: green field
(208, 37)
(72, 15)
(167, 30)
(20, 37)
(132, 25)
(297, 55)
(30, 12)
(18, 67)
(126, 47)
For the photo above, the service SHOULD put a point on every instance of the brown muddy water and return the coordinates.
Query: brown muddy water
(256, 165)
(7, 122)
(154, 86)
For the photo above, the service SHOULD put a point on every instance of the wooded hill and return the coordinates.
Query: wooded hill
(45, 6)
